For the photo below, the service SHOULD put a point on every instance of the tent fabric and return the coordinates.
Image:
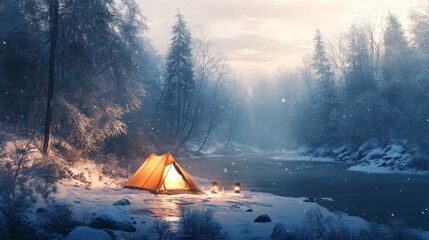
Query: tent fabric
(162, 175)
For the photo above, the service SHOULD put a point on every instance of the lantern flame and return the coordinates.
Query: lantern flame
(214, 188)
(237, 187)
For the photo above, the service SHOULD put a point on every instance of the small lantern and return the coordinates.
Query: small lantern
(214, 187)
(237, 187)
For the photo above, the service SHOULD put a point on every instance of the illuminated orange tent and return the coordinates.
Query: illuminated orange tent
(162, 175)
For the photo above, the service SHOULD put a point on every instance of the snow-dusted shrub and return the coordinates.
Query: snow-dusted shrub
(396, 230)
(24, 176)
(69, 153)
(112, 166)
(374, 231)
(399, 230)
(20, 227)
(58, 218)
(317, 226)
(162, 230)
(200, 224)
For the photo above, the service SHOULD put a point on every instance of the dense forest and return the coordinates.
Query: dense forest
(85, 72)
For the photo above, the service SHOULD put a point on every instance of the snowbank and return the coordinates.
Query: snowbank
(371, 156)
(112, 217)
(229, 208)
(87, 233)
(393, 158)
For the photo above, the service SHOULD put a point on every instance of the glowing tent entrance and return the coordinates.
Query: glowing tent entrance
(162, 175)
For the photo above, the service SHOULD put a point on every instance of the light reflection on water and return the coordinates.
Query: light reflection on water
(167, 207)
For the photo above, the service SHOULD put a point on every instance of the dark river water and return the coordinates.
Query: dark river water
(378, 197)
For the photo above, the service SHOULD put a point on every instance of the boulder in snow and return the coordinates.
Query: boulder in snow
(344, 149)
(112, 217)
(375, 154)
(249, 210)
(395, 148)
(367, 146)
(87, 233)
(122, 202)
(323, 151)
(263, 218)
(280, 232)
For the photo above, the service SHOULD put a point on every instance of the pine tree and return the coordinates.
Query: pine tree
(179, 77)
(325, 83)
(397, 65)
(420, 26)
(359, 79)
(325, 99)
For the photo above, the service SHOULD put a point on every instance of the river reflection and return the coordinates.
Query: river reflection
(167, 207)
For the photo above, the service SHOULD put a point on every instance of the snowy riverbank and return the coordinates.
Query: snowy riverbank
(371, 157)
(229, 208)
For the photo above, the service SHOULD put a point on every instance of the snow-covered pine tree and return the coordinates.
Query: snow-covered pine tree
(396, 62)
(420, 26)
(325, 96)
(325, 88)
(179, 84)
(359, 79)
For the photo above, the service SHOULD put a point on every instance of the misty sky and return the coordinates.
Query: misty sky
(258, 36)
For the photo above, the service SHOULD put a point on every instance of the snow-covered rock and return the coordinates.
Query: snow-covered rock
(280, 232)
(323, 151)
(263, 218)
(87, 233)
(376, 153)
(369, 145)
(394, 149)
(122, 202)
(112, 217)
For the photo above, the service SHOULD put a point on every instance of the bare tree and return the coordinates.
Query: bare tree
(336, 49)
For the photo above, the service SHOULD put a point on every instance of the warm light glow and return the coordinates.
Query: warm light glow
(173, 180)
(214, 187)
(237, 187)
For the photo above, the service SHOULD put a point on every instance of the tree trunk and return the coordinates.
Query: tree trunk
(53, 13)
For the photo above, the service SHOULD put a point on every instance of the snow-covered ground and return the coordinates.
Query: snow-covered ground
(374, 167)
(229, 208)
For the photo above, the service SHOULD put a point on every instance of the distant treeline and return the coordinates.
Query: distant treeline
(369, 82)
